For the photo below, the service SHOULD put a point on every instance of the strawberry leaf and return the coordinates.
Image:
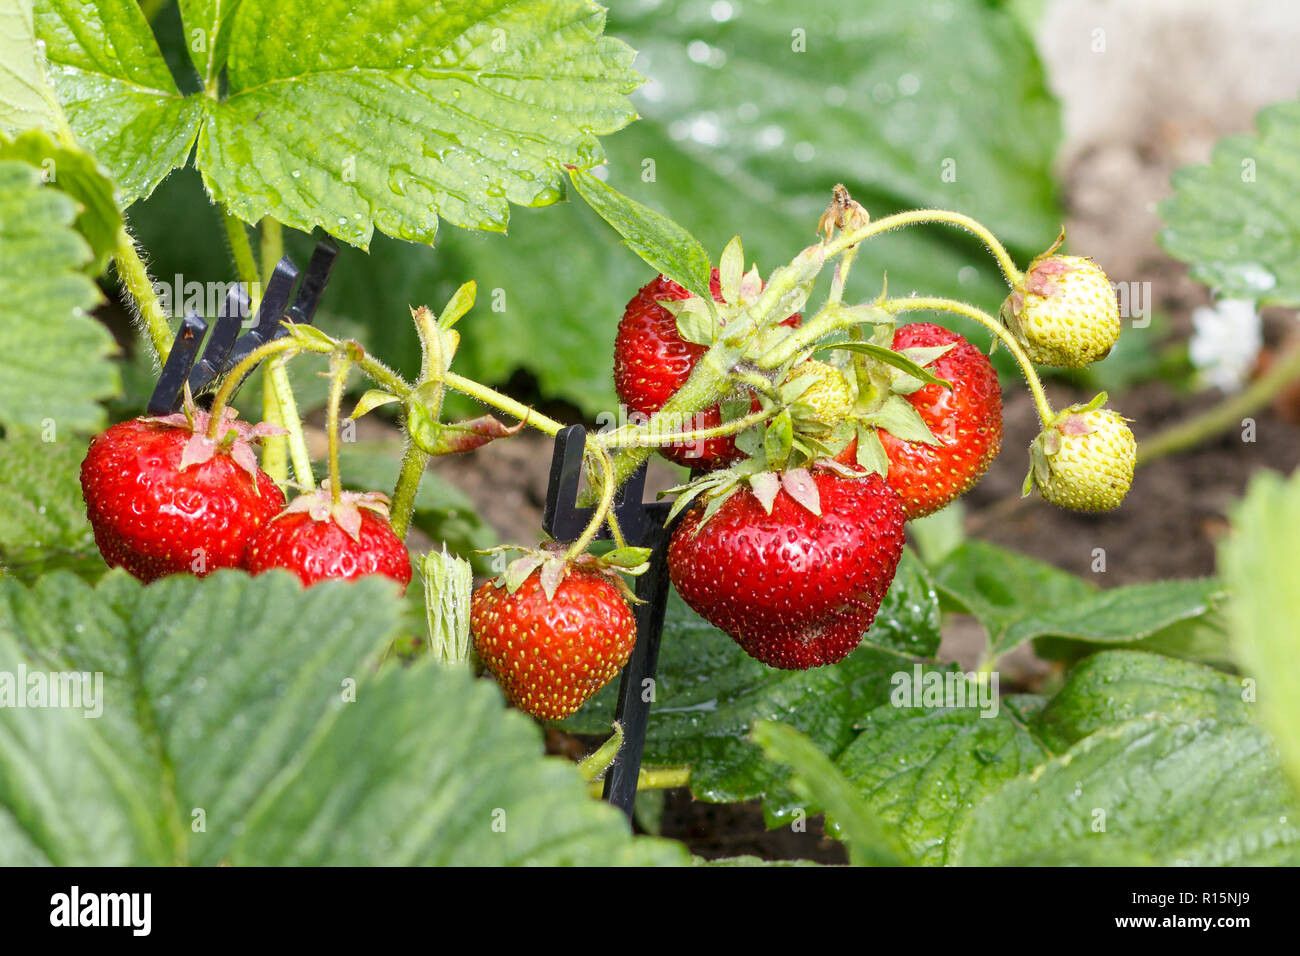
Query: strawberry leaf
(900, 418)
(898, 360)
(251, 704)
(371, 400)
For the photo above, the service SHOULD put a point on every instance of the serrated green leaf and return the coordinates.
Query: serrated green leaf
(1258, 563)
(1112, 687)
(43, 522)
(466, 108)
(372, 399)
(709, 693)
(818, 780)
(52, 353)
(1018, 599)
(662, 243)
(1201, 794)
(1235, 220)
(207, 26)
(250, 704)
(922, 769)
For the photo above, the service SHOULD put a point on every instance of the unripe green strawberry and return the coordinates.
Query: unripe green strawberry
(1066, 314)
(1084, 460)
(830, 397)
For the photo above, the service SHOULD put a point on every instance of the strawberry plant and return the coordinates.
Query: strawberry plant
(278, 624)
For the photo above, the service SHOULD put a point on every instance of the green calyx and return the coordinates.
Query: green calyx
(549, 560)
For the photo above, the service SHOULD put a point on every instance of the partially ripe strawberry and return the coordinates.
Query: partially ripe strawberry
(1066, 315)
(652, 361)
(829, 398)
(551, 654)
(794, 589)
(318, 538)
(966, 420)
(1084, 460)
(163, 499)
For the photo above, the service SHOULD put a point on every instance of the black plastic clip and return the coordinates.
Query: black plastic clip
(225, 347)
(642, 524)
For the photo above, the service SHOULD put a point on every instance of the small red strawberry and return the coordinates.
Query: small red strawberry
(164, 499)
(317, 537)
(652, 361)
(551, 652)
(966, 421)
(798, 583)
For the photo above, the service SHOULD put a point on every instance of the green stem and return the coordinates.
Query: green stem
(841, 276)
(595, 764)
(640, 436)
(277, 385)
(1226, 414)
(340, 362)
(847, 240)
(925, 304)
(598, 516)
(242, 252)
(495, 399)
(433, 368)
(663, 778)
(275, 458)
(236, 375)
(271, 245)
(134, 275)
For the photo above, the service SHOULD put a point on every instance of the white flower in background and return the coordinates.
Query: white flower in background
(1226, 342)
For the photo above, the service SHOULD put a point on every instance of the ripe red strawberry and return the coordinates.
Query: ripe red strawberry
(966, 420)
(317, 538)
(652, 361)
(794, 589)
(163, 499)
(551, 654)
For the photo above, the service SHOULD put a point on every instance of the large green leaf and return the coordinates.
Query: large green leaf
(709, 693)
(1018, 598)
(239, 720)
(1148, 791)
(922, 769)
(52, 353)
(1112, 687)
(1259, 563)
(43, 522)
(1237, 220)
(447, 110)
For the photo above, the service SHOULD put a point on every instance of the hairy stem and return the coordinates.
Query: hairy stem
(642, 436)
(275, 458)
(236, 375)
(504, 403)
(134, 275)
(603, 505)
(271, 245)
(241, 250)
(1227, 413)
(915, 217)
(433, 367)
(277, 385)
(340, 362)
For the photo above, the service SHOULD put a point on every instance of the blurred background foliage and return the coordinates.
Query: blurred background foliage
(747, 123)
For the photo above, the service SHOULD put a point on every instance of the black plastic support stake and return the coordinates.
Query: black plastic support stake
(318, 273)
(642, 524)
(167, 393)
(222, 340)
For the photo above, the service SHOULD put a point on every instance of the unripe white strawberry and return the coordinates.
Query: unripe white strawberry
(1084, 460)
(1065, 314)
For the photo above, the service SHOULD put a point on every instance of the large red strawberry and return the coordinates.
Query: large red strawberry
(795, 589)
(317, 537)
(551, 653)
(163, 499)
(652, 361)
(966, 420)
